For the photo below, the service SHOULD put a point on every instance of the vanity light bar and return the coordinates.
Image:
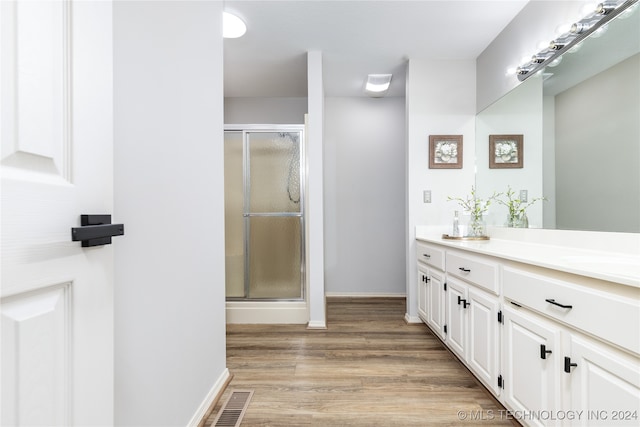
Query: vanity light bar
(580, 30)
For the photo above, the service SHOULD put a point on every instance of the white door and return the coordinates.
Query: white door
(435, 303)
(423, 298)
(531, 364)
(604, 383)
(482, 353)
(456, 315)
(56, 164)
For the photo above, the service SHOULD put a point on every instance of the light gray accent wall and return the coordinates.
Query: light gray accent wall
(597, 165)
(364, 172)
(536, 23)
(169, 192)
(265, 110)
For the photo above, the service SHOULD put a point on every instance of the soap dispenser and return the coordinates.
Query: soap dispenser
(456, 225)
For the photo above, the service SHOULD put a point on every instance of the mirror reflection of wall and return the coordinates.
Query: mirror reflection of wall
(519, 113)
(589, 161)
(597, 150)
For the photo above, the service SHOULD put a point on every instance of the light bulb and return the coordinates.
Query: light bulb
(232, 26)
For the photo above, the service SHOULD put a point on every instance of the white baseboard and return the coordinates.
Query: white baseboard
(317, 324)
(257, 312)
(218, 388)
(365, 295)
(412, 319)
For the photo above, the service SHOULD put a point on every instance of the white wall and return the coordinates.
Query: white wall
(440, 101)
(315, 193)
(251, 110)
(364, 170)
(169, 294)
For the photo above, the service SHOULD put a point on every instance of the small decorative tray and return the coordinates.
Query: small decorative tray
(447, 237)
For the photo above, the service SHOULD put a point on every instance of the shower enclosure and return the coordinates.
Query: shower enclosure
(264, 213)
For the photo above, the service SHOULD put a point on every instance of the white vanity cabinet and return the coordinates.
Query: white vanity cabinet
(603, 382)
(557, 348)
(531, 357)
(472, 308)
(431, 287)
(591, 334)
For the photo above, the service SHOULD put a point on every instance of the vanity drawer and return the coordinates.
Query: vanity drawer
(476, 270)
(595, 311)
(430, 254)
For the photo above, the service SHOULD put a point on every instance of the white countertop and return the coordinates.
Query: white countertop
(613, 267)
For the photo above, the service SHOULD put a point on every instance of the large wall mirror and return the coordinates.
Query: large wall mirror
(580, 122)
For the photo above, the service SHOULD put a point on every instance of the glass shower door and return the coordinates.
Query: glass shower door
(272, 217)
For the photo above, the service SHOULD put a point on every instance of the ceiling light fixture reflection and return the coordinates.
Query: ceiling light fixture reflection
(232, 26)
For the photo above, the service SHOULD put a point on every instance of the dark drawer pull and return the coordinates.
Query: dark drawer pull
(463, 301)
(568, 365)
(426, 255)
(466, 270)
(552, 301)
(544, 351)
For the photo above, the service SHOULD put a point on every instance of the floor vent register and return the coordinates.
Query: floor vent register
(233, 410)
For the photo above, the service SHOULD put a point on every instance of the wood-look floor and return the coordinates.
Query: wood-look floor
(369, 368)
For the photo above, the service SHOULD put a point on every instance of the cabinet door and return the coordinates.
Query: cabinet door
(483, 340)
(435, 302)
(605, 384)
(456, 298)
(423, 277)
(531, 383)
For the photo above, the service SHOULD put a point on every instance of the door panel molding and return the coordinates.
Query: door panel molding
(36, 350)
(36, 87)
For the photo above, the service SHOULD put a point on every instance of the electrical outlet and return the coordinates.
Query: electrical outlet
(523, 196)
(426, 196)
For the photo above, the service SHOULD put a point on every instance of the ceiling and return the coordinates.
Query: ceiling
(356, 38)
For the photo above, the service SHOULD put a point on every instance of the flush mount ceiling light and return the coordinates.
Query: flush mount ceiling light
(377, 84)
(594, 22)
(232, 26)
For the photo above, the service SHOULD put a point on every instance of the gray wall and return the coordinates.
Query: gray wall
(364, 171)
(265, 110)
(597, 166)
(169, 292)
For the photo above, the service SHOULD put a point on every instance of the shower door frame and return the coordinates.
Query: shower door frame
(247, 215)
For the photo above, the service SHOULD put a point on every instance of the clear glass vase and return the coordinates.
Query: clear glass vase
(477, 226)
(518, 221)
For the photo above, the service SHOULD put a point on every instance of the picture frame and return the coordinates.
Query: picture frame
(506, 151)
(445, 151)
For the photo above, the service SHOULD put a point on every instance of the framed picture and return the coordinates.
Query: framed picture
(505, 151)
(445, 151)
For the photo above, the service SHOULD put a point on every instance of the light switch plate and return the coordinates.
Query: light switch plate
(426, 196)
(523, 196)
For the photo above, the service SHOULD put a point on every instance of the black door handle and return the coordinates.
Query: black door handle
(96, 230)
(463, 301)
(568, 365)
(466, 270)
(544, 351)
